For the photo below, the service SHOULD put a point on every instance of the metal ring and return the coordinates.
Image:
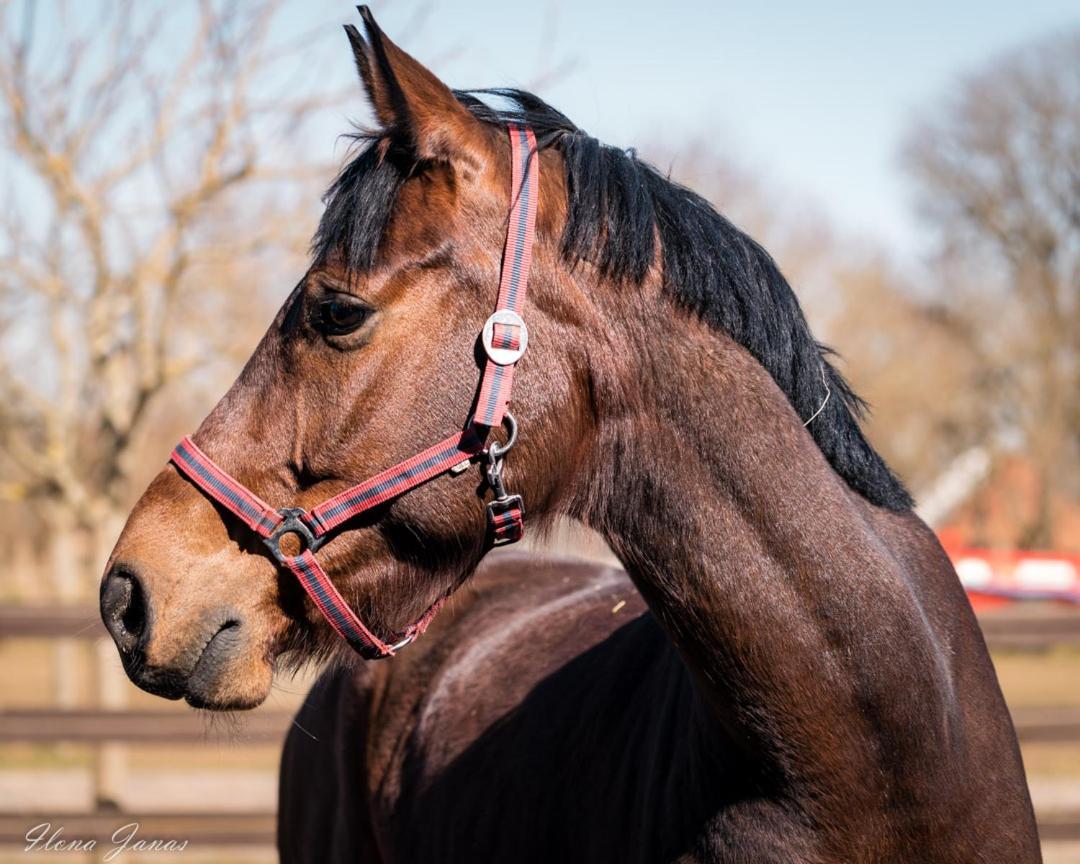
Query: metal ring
(505, 356)
(407, 639)
(495, 450)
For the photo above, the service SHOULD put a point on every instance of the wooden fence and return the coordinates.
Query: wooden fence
(1021, 627)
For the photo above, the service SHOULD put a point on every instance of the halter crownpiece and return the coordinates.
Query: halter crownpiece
(505, 339)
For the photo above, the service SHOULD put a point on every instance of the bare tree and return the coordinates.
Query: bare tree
(141, 145)
(905, 361)
(998, 168)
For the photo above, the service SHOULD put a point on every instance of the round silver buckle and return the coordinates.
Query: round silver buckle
(505, 356)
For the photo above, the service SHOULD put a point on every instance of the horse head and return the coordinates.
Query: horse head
(375, 355)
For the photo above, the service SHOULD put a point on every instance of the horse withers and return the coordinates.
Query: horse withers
(790, 671)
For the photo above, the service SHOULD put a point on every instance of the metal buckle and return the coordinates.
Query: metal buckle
(505, 356)
(495, 454)
(292, 522)
(499, 507)
(504, 502)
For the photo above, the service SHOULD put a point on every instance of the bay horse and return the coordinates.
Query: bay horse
(788, 670)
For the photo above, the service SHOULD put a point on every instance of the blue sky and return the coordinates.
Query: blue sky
(814, 97)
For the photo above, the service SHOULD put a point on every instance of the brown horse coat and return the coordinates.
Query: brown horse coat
(809, 683)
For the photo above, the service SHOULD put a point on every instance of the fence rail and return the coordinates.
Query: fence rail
(258, 828)
(1022, 627)
(137, 727)
(53, 621)
(39, 726)
(1031, 626)
(202, 829)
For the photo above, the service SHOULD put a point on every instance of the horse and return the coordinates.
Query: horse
(787, 669)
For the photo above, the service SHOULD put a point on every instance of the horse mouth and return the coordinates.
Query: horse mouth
(207, 683)
(212, 680)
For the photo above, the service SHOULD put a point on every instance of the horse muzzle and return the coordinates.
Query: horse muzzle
(196, 664)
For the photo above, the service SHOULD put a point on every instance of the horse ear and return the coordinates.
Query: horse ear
(413, 107)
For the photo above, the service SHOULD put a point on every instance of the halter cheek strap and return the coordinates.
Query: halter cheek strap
(505, 338)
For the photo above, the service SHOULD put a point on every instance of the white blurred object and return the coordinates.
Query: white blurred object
(954, 486)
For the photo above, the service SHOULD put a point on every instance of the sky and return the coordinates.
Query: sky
(815, 98)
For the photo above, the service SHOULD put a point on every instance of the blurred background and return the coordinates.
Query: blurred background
(914, 170)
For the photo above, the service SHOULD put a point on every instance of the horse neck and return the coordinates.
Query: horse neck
(773, 580)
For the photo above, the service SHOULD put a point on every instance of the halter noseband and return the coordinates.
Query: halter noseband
(505, 338)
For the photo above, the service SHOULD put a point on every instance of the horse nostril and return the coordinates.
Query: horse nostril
(124, 608)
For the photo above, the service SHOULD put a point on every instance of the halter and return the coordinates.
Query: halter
(505, 339)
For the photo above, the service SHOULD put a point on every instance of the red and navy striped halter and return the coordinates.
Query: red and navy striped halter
(505, 339)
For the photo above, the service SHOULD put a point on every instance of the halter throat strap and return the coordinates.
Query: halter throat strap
(505, 338)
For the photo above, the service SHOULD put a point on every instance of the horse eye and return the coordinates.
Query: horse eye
(340, 316)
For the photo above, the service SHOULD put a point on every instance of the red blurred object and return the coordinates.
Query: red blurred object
(995, 577)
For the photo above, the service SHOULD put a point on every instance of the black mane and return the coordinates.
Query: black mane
(617, 206)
